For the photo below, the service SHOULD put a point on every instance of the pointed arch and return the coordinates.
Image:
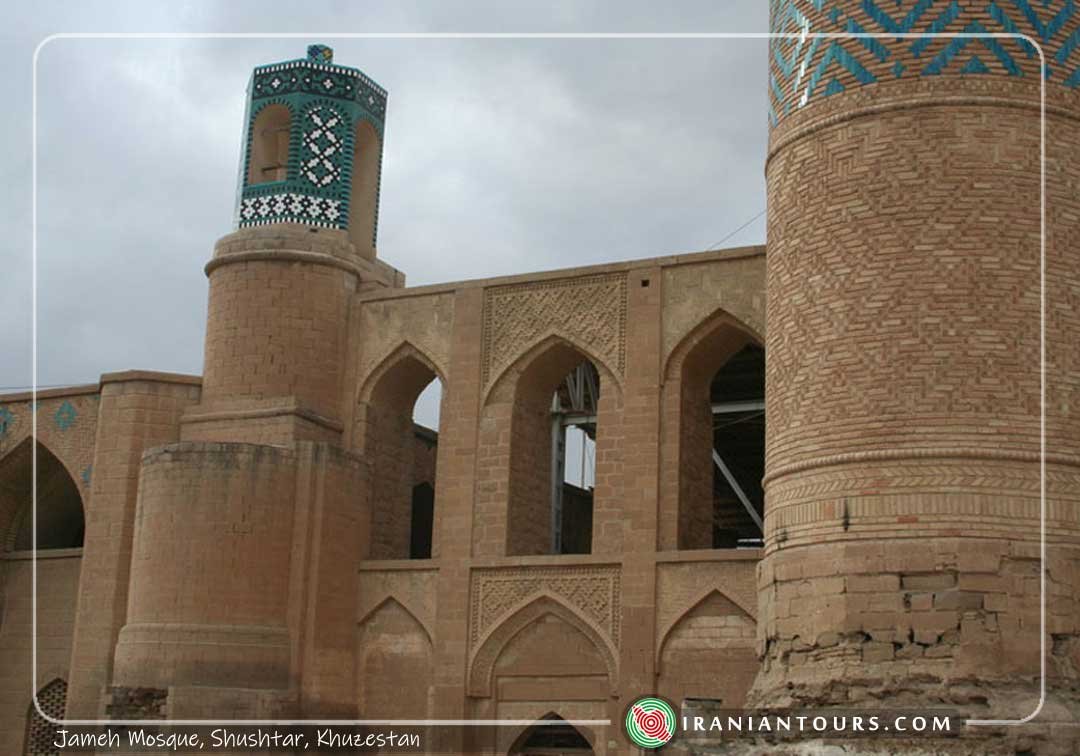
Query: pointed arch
(269, 143)
(721, 331)
(714, 633)
(393, 653)
(399, 450)
(700, 598)
(365, 165)
(520, 452)
(553, 736)
(695, 509)
(390, 601)
(543, 347)
(404, 353)
(492, 643)
(60, 513)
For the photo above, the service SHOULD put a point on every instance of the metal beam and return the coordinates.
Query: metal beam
(750, 405)
(738, 490)
(558, 473)
(578, 419)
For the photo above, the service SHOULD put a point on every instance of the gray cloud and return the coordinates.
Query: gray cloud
(502, 156)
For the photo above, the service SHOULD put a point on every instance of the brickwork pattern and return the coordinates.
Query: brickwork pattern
(714, 635)
(902, 476)
(594, 591)
(590, 311)
(807, 70)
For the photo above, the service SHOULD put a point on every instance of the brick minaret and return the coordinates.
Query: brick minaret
(249, 529)
(903, 375)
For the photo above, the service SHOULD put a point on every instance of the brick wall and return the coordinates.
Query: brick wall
(58, 582)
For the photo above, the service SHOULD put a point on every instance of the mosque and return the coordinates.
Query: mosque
(842, 469)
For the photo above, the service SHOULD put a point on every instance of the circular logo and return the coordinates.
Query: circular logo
(650, 722)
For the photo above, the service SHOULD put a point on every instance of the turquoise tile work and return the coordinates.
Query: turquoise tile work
(805, 68)
(65, 416)
(326, 103)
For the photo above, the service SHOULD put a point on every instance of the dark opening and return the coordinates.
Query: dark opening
(577, 516)
(559, 738)
(737, 392)
(60, 522)
(423, 518)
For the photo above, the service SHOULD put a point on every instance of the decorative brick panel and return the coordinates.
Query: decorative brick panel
(594, 591)
(589, 311)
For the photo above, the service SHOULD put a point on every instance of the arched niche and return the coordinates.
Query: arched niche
(543, 637)
(713, 438)
(522, 485)
(709, 653)
(393, 664)
(402, 454)
(268, 159)
(364, 199)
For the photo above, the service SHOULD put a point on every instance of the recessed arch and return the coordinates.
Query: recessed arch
(714, 633)
(393, 653)
(537, 350)
(720, 330)
(389, 600)
(61, 520)
(522, 453)
(403, 454)
(712, 445)
(700, 598)
(364, 199)
(492, 643)
(268, 144)
(555, 735)
(400, 359)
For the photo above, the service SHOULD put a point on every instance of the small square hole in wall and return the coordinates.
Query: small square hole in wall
(644, 283)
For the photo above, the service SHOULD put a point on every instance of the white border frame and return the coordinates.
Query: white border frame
(532, 36)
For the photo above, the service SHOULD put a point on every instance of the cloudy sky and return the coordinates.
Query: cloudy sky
(502, 157)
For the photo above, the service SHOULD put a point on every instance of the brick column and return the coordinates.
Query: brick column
(454, 503)
(641, 463)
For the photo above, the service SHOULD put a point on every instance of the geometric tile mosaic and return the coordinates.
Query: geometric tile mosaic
(290, 207)
(7, 417)
(323, 138)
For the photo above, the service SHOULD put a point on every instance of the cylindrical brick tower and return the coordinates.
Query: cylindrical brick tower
(248, 530)
(903, 358)
(280, 285)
